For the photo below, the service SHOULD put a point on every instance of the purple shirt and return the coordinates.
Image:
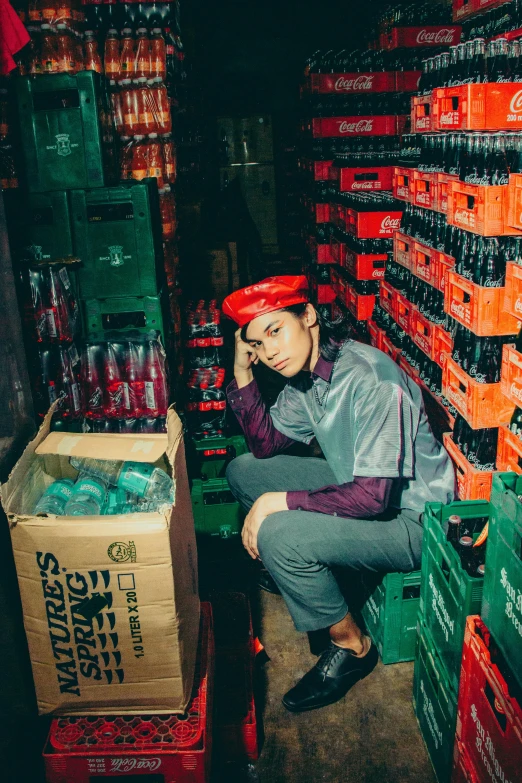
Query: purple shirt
(362, 498)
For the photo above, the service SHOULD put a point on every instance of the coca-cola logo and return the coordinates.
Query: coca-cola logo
(448, 118)
(363, 126)
(423, 271)
(390, 224)
(515, 107)
(464, 216)
(363, 82)
(129, 764)
(95, 400)
(365, 185)
(453, 395)
(518, 306)
(443, 36)
(516, 392)
(458, 309)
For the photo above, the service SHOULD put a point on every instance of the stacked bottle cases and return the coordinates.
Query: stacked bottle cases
(118, 241)
(356, 108)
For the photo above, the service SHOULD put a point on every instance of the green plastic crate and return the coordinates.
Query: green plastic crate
(502, 600)
(448, 593)
(435, 705)
(216, 512)
(45, 231)
(125, 314)
(117, 235)
(214, 466)
(390, 614)
(66, 131)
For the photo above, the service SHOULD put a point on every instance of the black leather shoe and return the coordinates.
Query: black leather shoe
(266, 583)
(336, 671)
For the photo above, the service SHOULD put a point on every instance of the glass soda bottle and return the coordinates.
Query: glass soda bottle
(92, 59)
(137, 478)
(55, 497)
(87, 498)
(111, 56)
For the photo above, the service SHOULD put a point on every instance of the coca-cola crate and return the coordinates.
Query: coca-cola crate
(448, 593)
(402, 183)
(472, 484)
(478, 107)
(481, 209)
(463, 8)
(422, 333)
(372, 225)
(489, 716)
(427, 35)
(388, 298)
(509, 451)
(376, 334)
(166, 747)
(361, 306)
(358, 178)
(322, 213)
(368, 266)
(511, 375)
(320, 253)
(408, 81)
(327, 83)
(514, 211)
(444, 265)
(425, 263)
(404, 313)
(502, 604)
(318, 169)
(512, 303)
(337, 251)
(403, 246)
(481, 404)
(434, 702)
(337, 215)
(443, 188)
(425, 190)
(390, 349)
(478, 308)
(442, 345)
(408, 369)
(463, 770)
(326, 127)
(339, 285)
(325, 294)
(421, 114)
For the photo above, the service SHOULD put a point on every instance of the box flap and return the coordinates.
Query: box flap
(135, 448)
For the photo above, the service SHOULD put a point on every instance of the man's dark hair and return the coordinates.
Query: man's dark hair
(331, 333)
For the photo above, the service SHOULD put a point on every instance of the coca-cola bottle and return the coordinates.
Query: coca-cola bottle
(515, 425)
(91, 380)
(490, 269)
(499, 71)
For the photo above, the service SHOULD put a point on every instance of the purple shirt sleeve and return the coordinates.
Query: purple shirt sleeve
(263, 439)
(362, 498)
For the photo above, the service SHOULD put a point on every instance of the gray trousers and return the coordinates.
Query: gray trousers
(300, 548)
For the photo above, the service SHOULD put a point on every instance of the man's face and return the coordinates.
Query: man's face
(282, 340)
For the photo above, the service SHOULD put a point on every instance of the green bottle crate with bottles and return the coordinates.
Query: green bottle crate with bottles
(448, 592)
(216, 511)
(390, 614)
(212, 455)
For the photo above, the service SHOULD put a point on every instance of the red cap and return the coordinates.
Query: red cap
(273, 293)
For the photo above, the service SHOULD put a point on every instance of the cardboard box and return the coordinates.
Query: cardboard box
(110, 604)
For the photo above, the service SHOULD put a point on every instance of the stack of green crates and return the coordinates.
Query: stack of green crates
(216, 512)
(75, 209)
(448, 596)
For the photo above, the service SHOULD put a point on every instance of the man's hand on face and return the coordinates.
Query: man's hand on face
(265, 505)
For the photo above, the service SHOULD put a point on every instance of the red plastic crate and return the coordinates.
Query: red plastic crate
(422, 332)
(463, 770)
(337, 251)
(443, 187)
(388, 348)
(372, 225)
(425, 190)
(427, 35)
(442, 345)
(421, 114)
(514, 209)
(402, 183)
(376, 334)
(425, 263)
(403, 246)
(509, 451)
(358, 178)
(388, 298)
(481, 404)
(511, 375)
(325, 294)
(319, 169)
(327, 127)
(365, 266)
(322, 213)
(337, 215)
(328, 83)
(462, 9)
(361, 306)
(481, 209)
(321, 254)
(444, 265)
(477, 308)
(408, 369)
(173, 746)
(339, 286)
(404, 313)
(472, 484)
(489, 718)
(408, 81)
(478, 107)
(512, 302)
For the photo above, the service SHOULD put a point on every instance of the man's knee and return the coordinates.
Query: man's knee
(274, 535)
(241, 471)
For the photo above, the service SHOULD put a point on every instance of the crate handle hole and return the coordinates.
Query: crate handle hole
(87, 100)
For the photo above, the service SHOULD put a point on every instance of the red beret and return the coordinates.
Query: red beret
(273, 293)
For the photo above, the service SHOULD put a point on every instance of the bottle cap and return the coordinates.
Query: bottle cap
(138, 138)
(454, 519)
(127, 31)
(466, 541)
(45, 27)
(125, 82)
(481, 569)
(141, 80)
(153, 135)
(142, 31)
(156, 30)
